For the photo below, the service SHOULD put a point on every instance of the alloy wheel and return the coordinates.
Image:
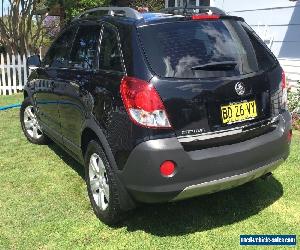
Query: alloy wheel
(31, 124)
(99, 182)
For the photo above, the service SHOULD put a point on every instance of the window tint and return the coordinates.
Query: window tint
(173, 49)
(85, 47)
(58, 54)
(110, 56)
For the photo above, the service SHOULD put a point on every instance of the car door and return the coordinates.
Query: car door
(107, 87)
(75, 100)
(49, 83)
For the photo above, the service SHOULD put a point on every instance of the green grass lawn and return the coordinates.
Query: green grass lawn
(44, 204)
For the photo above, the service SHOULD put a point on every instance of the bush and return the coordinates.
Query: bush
(294, 99)
(296, 121)
(294, 106)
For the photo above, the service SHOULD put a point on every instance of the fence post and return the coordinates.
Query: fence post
(25, 70)
(14, 76)
(8, 68)
(0, 76)
(19, 72)
(2, 63)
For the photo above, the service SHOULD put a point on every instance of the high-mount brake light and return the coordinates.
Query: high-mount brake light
(205, 17)
(143, 104)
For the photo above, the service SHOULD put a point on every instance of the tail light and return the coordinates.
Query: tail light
(284, 91)
(143, 104)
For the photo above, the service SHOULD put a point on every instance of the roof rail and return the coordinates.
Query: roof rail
(111, 11)
(193, 10)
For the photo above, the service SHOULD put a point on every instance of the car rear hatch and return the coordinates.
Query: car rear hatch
(214, 77)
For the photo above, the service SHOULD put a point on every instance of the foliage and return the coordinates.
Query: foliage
(73, 8)
(296, 121)
(294, 99)
(153, 5)
(21, 31)
(294, 106)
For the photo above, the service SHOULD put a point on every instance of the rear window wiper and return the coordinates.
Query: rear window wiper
(226, 65)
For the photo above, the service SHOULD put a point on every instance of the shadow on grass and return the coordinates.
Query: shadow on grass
(206, 212)
(198, 214)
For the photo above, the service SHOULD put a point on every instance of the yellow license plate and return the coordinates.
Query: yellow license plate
(238, 112)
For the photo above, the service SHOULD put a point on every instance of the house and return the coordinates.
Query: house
(277, 22)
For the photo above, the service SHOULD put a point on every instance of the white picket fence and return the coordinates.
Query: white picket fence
(13, 73)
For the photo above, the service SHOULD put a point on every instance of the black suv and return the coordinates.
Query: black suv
(159, 107)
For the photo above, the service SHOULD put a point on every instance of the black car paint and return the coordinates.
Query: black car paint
(71, 95)
(71, 102)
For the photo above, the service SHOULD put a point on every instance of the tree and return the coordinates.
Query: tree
(71, 8)
(153, 5)
(24, 24)
(21, 31)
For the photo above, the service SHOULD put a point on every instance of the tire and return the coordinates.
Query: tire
(102, 185)
(29, 124)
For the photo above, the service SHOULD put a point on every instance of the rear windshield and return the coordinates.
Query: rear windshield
(182, 49)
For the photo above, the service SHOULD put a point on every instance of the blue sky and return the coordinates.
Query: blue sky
(5, 5)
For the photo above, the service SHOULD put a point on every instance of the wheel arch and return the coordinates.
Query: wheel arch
(91, 130)
(87, 135)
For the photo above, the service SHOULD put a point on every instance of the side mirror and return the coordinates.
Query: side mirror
(33, 62)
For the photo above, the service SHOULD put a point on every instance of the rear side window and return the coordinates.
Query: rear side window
(173, 49)
(84, 52)
(110, 55)
(264, 57)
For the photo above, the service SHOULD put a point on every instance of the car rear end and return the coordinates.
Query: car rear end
(215, 108)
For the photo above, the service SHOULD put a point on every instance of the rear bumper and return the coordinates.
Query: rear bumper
(227, 182)
(202, 171)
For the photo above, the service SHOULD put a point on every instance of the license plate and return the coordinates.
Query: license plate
(238, 112)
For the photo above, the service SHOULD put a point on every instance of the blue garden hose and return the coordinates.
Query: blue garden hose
(10, 107)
